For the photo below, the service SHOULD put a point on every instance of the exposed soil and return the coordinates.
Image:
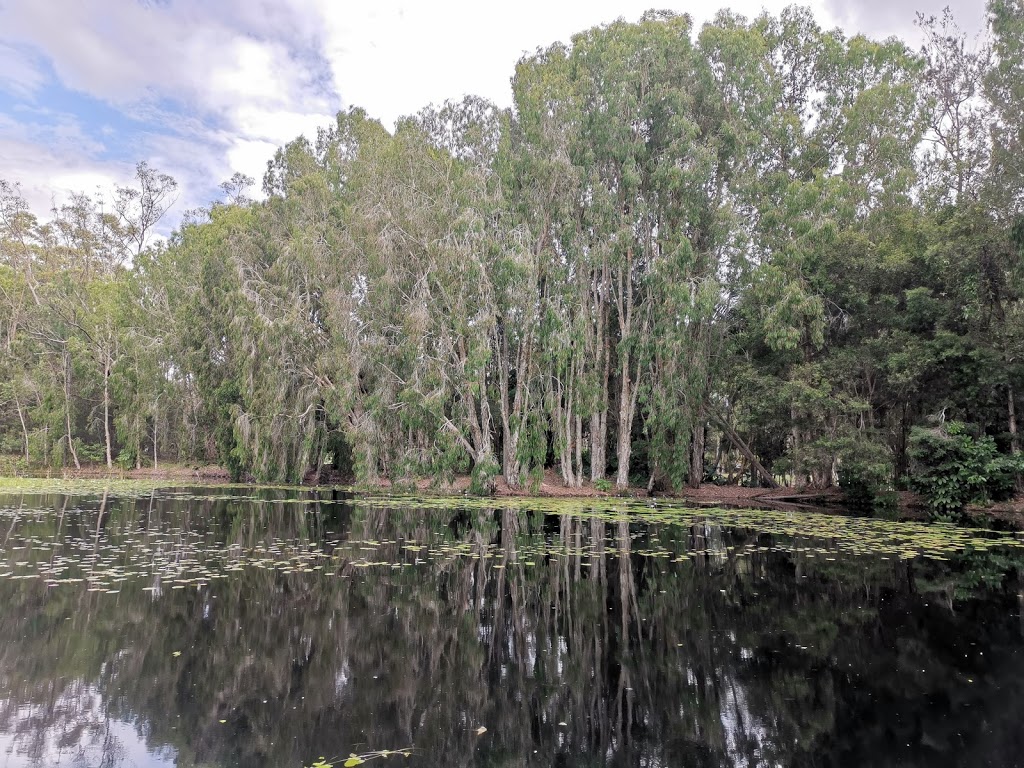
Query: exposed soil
(175, 472)
(1009, 513)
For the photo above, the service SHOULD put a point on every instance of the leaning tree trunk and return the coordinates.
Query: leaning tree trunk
(156, 424)
(24, 426)
(745, 451)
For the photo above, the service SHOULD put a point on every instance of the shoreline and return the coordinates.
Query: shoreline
(909, 505)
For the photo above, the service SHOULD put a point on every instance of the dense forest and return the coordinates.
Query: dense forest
(758, 252)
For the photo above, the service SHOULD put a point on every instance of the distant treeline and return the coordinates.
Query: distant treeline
(761, 251)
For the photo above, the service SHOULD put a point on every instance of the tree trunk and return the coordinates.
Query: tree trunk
(24, 426)
(744, 449)
(625, 438)
(599, 418)
(795, 432)
(578, 444)
(67, 409)
(1011, 412)
(106, 413)
(509, 442)
(697, 453)
(902, 459)
(598, 439)
(1011, 417)
(563, 434)
(627, 390)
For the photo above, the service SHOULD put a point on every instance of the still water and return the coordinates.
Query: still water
(239, 627)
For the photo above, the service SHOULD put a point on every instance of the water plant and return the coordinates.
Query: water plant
(353, 759)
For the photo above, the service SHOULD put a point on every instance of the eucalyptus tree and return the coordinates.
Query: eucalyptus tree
(1004, 87)
(139, 208)
(391, 261)
(192, 288)
(959, 118)
(428, 309)
(18, 229)
(545, 200)
(488, 143)
(630, 109)
(616, 76)
(75, 250)
(92, 293)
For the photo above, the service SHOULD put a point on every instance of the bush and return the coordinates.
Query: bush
(482, 481)
(865, 472)
(90, 453)
(126, 458)
(12, 465)
(954, 468)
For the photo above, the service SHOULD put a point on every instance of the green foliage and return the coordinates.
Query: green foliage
(670, 248)
(353, 759)
(89, 453)
(603, 485)
(865, 474)
(955, 468)
(482, 478)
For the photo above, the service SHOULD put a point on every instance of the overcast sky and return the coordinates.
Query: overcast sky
(204, 88)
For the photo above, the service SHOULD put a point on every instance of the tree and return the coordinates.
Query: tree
(139, 209)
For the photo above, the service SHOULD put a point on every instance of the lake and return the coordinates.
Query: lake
(234, 626)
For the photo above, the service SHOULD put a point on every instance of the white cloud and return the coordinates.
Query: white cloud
(394, 56)
(219, 85)
(897, 17)
(277, 126)
(19, 74)
(48, 176)
(250, 157)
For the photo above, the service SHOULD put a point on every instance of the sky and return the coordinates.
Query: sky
(201, 89)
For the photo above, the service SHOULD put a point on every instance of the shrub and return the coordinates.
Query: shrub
(954, 468)
(90, 453)
(482, 481)
(865, 471)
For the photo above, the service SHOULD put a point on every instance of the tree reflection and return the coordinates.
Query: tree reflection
(618, 644)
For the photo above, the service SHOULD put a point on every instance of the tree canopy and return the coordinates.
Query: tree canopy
(761, 251)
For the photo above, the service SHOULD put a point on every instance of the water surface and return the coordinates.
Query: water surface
(234, 627)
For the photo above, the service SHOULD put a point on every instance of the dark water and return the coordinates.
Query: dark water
(242, 628)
